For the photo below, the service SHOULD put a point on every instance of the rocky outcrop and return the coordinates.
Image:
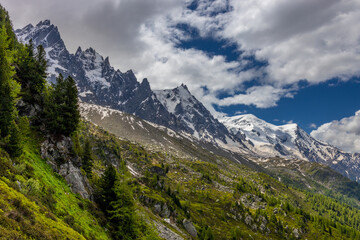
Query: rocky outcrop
(160, 208)
(75, 179)
(167, 233)
(58, 154)
(190, 228)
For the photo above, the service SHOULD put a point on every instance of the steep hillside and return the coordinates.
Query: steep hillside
(227, 200)
(156, 137)
(111, 175)
(294, 172)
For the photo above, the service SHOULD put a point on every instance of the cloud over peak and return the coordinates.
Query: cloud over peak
(344, 133)
(299, 40)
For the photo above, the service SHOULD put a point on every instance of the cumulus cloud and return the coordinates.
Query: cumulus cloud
(344, 134)
(312, 40)
(259, 96)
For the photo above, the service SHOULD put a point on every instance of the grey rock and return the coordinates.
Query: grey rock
(166, 233)
(262, 227)
(190, 228)
(296, 233)
(75, 179)
(165, 212)
(276, 210)
(157, 208)
(248, 220)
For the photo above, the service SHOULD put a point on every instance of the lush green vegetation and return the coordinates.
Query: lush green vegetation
(225, 200)
(219, 198)
(35, 201)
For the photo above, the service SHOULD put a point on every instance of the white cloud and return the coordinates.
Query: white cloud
(312, 40)
(344, 134)
(259, 96)
(312, 125)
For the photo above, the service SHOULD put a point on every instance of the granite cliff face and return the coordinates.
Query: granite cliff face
(99, 83)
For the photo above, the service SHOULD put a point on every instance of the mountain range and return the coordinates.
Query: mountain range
(178, 110)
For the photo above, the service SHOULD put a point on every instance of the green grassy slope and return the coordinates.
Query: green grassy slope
(35, 201)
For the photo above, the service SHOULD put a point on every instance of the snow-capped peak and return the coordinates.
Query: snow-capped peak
(290, 141)
(93, 64)
(171, 98)
(44, 23)
(265, 136)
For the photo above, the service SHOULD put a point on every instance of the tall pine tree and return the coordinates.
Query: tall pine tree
(31, 74)
(107, 185)
(71, 106)
(87, 163)
(5, 21)
(7, 85)
(122, 213)
(62, 111)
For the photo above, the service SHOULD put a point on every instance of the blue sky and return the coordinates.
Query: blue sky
(284, 61)
(311, 104)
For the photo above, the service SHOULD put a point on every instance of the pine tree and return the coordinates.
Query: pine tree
(5, 21)
(15, 146)
(123, 220)
(87, 159)
(107, 185)
(7, 85)
(31, 73)
(61, 109)
(71, 107)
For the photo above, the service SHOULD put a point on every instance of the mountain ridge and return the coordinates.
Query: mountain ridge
(99, 83)
(290, 141)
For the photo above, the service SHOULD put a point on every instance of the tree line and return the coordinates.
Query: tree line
(25, 95)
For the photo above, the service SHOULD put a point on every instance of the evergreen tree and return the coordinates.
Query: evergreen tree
(118, 204)
(7, 85)
(61, 109)
(87, 159)
(108, 182)
(122, 216)
(71, 106)
(5, 21)
(14, 146)
(31, 73)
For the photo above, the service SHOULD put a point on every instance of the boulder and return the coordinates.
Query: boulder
(296, 233)
(190, 228)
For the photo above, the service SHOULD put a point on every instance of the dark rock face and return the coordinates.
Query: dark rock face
(192, 115)
(99, 83)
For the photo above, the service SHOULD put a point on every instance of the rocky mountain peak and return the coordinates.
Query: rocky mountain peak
(184, 87)
(145, 83)
(44, 23)
(291, 142)
(107, 61)
(78, 51)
